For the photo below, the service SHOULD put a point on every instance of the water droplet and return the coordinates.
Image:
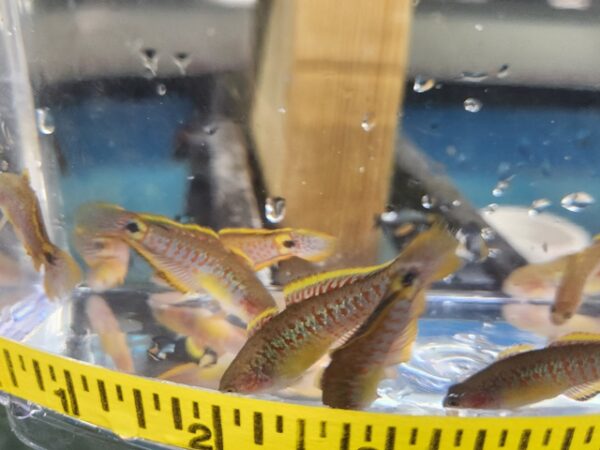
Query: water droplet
(478, 27)
(427, 202)
(275, 209)
(472, 105)
(161, 89)
(367, 123)
(538, 206)
(474, 77)
(4, 165)
(191, 177)
(150, 60)
(45, 121)
(182, 60)
(493, 252)
(503, 71)
(580, 5)
(456, 202)
(361, 169)
(577, 201)
(210, 129)
(423, 84)
(491, 208)
(281, 110)
(488, 234)
(501, 188)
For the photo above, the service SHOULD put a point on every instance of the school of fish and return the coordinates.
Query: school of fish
(337, 333)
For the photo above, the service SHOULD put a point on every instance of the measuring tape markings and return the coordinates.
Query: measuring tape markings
(136, 407)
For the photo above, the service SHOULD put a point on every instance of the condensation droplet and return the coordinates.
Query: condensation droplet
(577, 201)
(500, 188)
(367, 123)
(473, 77)
(161, 89)
(538, 206)
(182, 60)
(491, 208)
(427, 202)
(488, 234)
(210, 129)
(503, 71)
(423, 84)
(275, 209)
(472, 105)
(45, 121)
(150, 60)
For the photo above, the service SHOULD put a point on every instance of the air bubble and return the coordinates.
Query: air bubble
(538, 206)
(479, 27)
(367, 123)
(577, 201)
(491, 208)
(488, 234)
(275, 209)
(161, 89)
(182, 60)
(210, 129)
(474, 77)
(427, 202)
(45, 121)
(281, 110)
(500, 188)
(150, 60)
(472, 105)
(423, 84)
(503, 71)
(361, 169)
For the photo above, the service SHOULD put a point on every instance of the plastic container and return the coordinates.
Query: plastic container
(256, 114)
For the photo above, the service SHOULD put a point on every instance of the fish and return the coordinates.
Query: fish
(321, 310)
(188, 257)
(20, 207)
(107, 260)
(579, 269)
(522, 376)
(540, 281)
(535, 319)
(112, 339)
(350, 381)
(263, 248)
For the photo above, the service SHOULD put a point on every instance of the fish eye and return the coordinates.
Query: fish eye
(49, 257)
(132, 227)
(409, 278)
(452, 400)
(289, 244)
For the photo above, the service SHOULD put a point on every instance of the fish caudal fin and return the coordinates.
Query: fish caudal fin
(61, 274)
(584, 392)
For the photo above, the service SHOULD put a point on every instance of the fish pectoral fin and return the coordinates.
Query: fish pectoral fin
(584, 392)
(510, 351)
(572, 338)
(261, 319)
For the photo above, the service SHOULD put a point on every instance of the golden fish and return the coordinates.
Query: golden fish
(21, 208)
(190, 258)
(107, 260)
(321, 310)
(112, 340)
(579, 269)
(351, 379)
(263, 248)
(569, 366)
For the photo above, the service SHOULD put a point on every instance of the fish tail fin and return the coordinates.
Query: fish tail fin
(584, 392)
(61, 273)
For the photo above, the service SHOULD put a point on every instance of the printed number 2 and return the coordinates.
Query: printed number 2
(204, 434)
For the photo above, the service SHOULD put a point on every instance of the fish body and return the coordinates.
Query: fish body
(188, 257)
(568, 366)
(580, 267)
(20, 207)
(333, 305)
(351, 379)
(262, 248)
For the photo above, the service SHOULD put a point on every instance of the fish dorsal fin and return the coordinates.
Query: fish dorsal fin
(161, 220)
(258, 322)
(321, 283)
(514, 350)
(584, 392)
(252, 231)
(573, 338)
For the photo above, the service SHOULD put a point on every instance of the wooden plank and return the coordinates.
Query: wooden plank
(325, 114)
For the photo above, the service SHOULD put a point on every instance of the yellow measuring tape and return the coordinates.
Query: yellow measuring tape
(136, 407)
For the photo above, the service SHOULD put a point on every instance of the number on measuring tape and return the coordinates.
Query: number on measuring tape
(141, 408)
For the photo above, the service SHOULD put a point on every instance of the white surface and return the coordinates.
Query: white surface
(538, 238)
